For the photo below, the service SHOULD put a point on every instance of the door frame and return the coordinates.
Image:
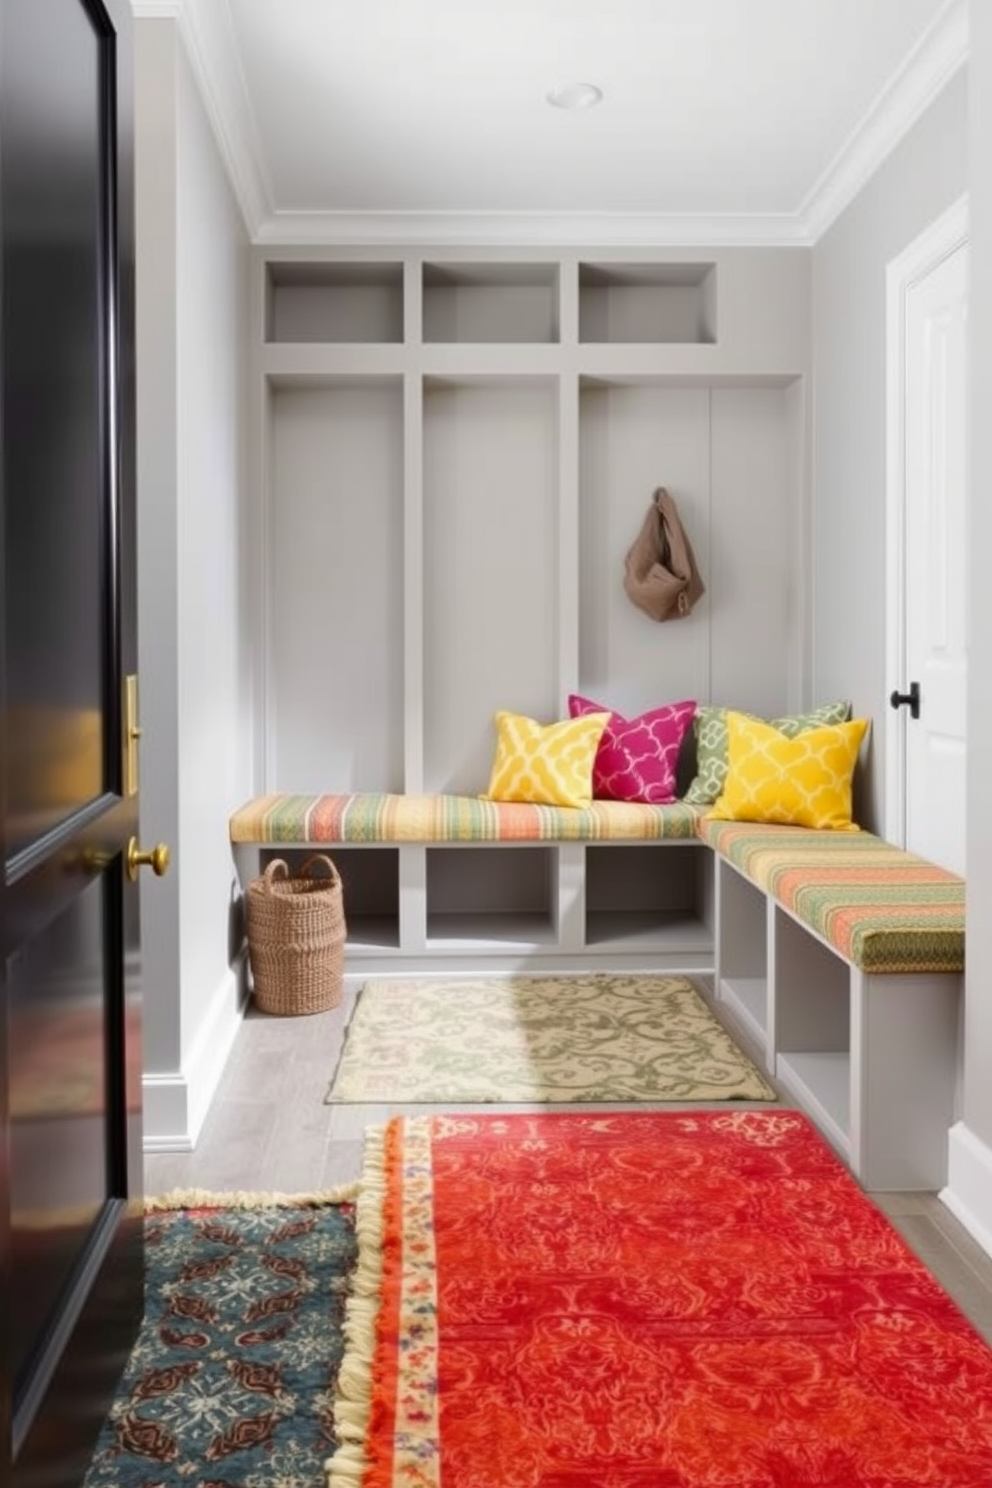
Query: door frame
(936, 243)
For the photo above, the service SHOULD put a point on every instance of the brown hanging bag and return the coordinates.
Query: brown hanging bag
(660, 573)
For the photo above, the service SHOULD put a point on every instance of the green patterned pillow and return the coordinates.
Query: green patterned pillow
(711, 743)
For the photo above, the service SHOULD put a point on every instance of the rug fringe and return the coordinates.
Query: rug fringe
(202, 1198)
(353, 1404)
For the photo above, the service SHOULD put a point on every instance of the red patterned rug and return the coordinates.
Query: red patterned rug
(658, 1300)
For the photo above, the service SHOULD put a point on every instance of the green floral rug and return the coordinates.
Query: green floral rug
(231, 1380)
(597, 1037)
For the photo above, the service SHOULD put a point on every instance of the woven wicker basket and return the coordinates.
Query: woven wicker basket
(296, 935)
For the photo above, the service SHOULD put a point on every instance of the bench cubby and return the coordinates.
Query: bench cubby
(642, 898)
(505, 898)
(810, 1048)
(370, 888)
(741, 954)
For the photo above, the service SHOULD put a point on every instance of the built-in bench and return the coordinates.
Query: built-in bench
(844, 956)
(840, 954)
(450, 882)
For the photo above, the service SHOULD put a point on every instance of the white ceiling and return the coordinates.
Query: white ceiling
(406, 120)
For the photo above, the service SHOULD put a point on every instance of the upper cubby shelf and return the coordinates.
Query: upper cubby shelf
(486, 302)
(309, 301)
(638, 302)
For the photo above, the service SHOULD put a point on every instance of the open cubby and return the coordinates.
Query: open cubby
(725, 454)
(645, 302)
(497, 895)
(647, 896)
(633, 438)
(490, 566)
(742, 950)
(813, 1026)
(370, 890)
(312, 301)
(335, 559)
(490, 302)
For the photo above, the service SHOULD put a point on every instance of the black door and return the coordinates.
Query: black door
(71, 1283)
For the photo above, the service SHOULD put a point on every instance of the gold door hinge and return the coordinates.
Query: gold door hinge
(132, 733)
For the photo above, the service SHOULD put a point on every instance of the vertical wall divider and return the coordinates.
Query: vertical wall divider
(413, 301)
(413, 582)
(568, 302)
(798, 398)
(259, 486)
(568, 535)
(413, 859)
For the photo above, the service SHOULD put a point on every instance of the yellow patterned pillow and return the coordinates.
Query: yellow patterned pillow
(800, 782)
(549, 765)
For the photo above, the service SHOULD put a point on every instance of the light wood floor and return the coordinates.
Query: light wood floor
(269, 1129)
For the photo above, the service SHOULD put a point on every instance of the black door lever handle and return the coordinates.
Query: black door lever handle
(912, 698)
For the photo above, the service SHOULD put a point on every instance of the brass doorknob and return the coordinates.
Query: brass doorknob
(156, 858)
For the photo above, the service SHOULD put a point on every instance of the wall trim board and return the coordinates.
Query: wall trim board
(968, 1193)
(176, 1102)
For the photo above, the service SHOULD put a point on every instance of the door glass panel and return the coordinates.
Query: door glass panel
(59, 985)
(56, 472)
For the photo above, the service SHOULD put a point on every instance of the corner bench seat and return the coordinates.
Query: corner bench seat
(881, 908)
(283, 819)
(843, 957)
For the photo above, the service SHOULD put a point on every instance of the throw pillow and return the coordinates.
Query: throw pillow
(636, 758)
(711, 743)
(550, 765)
(800, 782)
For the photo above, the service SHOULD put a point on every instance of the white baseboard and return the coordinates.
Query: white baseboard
(968, 1193)
(176, 1103)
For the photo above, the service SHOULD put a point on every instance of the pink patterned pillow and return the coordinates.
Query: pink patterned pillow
(637, 757)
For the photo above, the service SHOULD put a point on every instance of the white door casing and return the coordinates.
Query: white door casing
(927, 297)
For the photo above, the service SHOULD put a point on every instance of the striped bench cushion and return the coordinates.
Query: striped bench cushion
(881, 908)
(283, 819)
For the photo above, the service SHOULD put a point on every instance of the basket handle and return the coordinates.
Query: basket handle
(325, 862)
(269, 876)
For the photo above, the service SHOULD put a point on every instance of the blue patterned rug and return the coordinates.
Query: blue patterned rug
(231, 1380)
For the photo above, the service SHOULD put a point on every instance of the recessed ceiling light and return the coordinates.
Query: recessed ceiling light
(575, 96)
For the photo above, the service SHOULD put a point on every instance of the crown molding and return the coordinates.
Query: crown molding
(208, 37)
(530, 229)
(939, 54)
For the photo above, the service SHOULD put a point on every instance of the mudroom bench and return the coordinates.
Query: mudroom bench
(840, 954)
(843, 956)
(459, 884)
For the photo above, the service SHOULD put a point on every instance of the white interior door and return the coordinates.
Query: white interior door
(928, 718)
